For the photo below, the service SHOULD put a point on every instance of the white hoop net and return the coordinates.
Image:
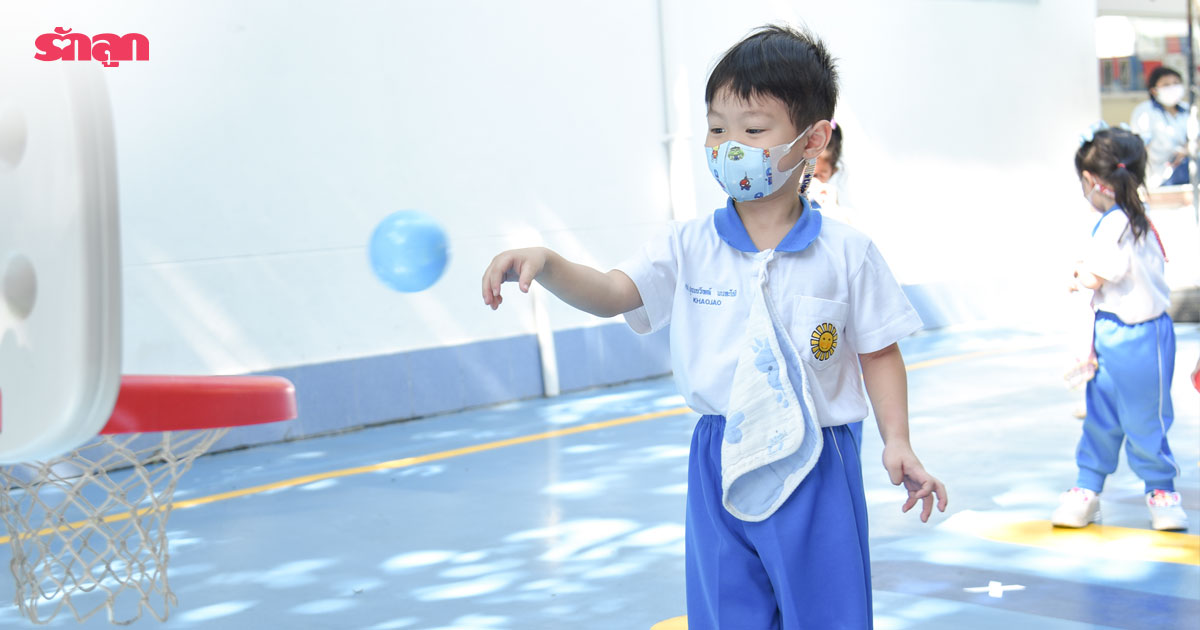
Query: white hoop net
(88, 530)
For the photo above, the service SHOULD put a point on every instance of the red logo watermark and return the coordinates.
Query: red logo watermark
(107, 48)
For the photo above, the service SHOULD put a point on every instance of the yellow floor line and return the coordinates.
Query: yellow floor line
(1099, 541)
(674, 623)
(388, 465)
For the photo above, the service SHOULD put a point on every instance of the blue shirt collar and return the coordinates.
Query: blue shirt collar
(1179, 108)
(1106, 213)
(731, 229)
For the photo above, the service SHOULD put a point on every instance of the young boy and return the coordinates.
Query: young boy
(772, 312)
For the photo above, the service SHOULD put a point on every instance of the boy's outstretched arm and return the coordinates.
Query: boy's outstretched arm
(585, 288)
(887, 386)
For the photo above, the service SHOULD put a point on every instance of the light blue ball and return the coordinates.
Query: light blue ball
(408, 251)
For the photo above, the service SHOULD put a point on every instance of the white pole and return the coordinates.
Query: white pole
(545, 339)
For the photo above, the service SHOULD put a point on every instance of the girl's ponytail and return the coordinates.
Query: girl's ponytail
(1118, 157)
(1125, 184)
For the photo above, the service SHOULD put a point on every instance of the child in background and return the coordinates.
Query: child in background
(771, 311)
(1128, 398)
(1162, 123)
(826, 190)
(829, 161)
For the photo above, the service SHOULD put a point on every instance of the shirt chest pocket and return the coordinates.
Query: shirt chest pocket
(816, 330)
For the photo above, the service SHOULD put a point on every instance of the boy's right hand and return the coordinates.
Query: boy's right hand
(519, 265)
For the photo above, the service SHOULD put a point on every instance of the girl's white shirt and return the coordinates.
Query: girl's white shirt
(1135, 288)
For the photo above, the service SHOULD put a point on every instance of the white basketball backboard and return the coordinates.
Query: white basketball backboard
(60, 297)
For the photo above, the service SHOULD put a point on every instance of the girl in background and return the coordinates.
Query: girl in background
(1128, 399)
(829, 175)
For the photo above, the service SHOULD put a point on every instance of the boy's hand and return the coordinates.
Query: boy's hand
(519, 265)
(903, 467)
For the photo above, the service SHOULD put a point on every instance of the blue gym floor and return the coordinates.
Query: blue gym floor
(568, 514)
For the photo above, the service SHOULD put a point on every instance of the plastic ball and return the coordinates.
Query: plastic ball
(408, 251)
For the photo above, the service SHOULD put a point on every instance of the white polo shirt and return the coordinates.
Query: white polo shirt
(1134, 287)
(836, 297)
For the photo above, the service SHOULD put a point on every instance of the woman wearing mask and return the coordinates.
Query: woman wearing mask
(1162, 122)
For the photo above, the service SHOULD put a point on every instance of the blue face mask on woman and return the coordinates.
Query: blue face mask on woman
(747, 173)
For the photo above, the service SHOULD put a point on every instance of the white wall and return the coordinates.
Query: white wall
(262, 142)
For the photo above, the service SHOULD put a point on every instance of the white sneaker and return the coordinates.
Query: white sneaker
(1076, 508)
(1166, 510)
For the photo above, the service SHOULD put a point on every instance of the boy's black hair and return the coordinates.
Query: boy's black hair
(1118, 158)
(789, 64)
(1158, 73)
(835, 145)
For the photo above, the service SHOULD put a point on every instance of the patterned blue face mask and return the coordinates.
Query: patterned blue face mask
(748, 173)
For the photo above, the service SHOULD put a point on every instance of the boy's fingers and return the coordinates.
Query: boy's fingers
(924, 495)
(942, 498)
(501, 273)
(505, 268)
(492, 292)
(490, 286)
(494, 277)
(486, 289)
(526, 277)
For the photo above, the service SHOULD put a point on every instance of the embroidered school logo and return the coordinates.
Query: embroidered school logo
(107, 48)
(824, 341)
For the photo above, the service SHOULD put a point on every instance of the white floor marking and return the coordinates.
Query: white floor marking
(994, 589)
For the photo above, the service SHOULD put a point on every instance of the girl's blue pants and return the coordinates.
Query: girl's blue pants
(1129, 401)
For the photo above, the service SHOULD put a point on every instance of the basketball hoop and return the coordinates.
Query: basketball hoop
(88, 529)
(87, 521)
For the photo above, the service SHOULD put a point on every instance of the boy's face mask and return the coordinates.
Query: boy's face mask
(748, 173)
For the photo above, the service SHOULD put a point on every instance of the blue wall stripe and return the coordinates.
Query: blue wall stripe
(342, 395)
(612, 353)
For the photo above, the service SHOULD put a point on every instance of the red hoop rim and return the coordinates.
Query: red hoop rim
(183, 403)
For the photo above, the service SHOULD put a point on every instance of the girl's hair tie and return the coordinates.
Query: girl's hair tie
(1120, 165)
